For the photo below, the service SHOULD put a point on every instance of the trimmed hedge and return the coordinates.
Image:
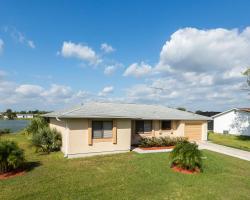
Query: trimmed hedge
(161, 141)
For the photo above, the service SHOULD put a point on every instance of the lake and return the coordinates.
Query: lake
(14, 125)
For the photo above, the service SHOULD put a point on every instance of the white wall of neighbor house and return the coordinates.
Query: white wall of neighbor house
(24, 116)
(235, 122)
(79, 139)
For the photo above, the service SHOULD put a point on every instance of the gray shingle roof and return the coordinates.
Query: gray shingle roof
(125, 110)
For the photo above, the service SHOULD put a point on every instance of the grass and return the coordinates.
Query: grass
(125, 176)
(239, 142)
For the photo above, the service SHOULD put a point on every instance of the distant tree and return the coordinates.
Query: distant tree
(182, 108)
(36, 112)
(198, 112)
(10, 114)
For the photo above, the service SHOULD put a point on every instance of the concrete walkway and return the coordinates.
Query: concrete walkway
(138, 150)
(245, 155)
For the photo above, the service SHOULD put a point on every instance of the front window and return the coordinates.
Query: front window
(102, 129)
(166, 125)
(143, 126)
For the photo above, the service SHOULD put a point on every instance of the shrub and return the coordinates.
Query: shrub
(161, 141)
(47, 140)
(11, 156)
(186, 155)
(36, 124)
(145, 142)
(4, 131)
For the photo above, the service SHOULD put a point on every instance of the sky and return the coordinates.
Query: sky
(56, 54)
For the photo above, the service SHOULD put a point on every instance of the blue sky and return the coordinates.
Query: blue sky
(55, 54)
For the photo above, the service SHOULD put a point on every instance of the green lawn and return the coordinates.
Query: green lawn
(125, 176)
(239, 142)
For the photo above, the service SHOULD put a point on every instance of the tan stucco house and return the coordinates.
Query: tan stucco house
(102, 128)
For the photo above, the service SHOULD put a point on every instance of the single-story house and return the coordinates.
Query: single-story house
(24, 116)
(102, 128)
(235, 121)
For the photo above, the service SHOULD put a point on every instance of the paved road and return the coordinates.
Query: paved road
(245, 155)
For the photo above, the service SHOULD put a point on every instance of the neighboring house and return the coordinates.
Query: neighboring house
(24, 116)
(210, 124)
(235, 121)
(102, 128)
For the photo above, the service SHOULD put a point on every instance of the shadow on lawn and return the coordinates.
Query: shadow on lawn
(29, 166)
(243, 137)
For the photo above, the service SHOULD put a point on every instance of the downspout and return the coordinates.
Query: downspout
(66, 137)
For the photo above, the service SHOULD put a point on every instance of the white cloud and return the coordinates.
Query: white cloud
(106, 90)
(29, 90)
(19, 36)
(82, 52)
(58, 91)
(194, 50)
(107, 48)
(31, 44)
(180, 91)
(81, 94)
(138, 70)
(1, 45)
(198, 79)
(199, 69)
(109, 70)
(151, 93)
(2, 74)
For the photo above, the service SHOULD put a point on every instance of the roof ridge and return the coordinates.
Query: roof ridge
(132, 103)
(71, 111)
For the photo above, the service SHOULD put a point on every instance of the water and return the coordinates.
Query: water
(14, 125)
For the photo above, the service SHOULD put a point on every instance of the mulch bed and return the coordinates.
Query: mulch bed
(156, 148)
(11, 174)
(185, 171)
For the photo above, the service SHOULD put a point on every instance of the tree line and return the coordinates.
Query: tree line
(12, 114)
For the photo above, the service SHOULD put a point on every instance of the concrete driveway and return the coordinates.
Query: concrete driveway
(245, 155)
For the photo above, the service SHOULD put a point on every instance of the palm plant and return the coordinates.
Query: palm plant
(11, 156)
(47, 140)
(186, 155)
(36, 124)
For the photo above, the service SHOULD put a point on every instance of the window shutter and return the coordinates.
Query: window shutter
(114, 131)
(90, 132)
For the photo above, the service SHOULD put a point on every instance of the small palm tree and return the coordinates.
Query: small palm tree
(11, 156)
(186, 155)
